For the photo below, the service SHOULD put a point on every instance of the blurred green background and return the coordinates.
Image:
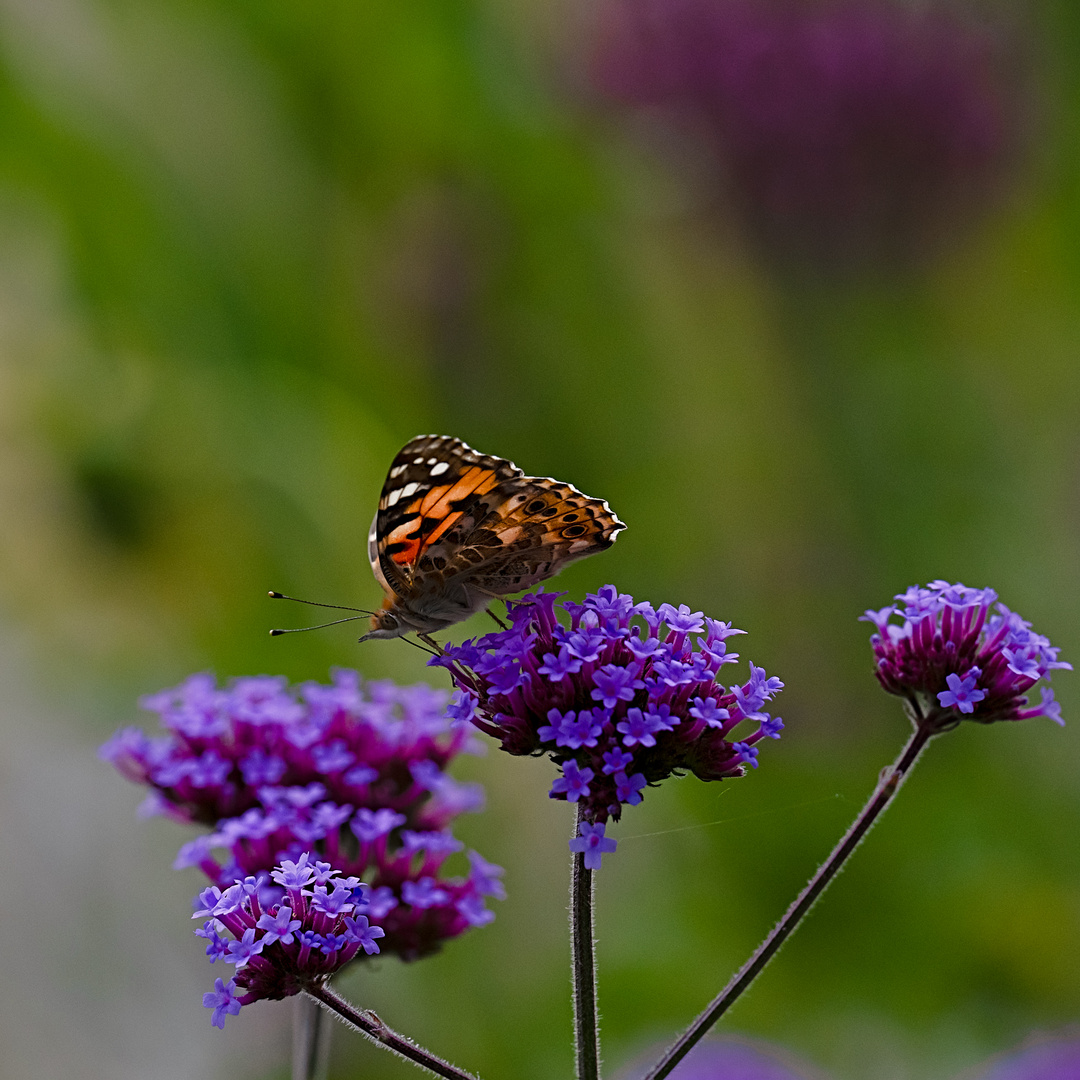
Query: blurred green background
(248, 249)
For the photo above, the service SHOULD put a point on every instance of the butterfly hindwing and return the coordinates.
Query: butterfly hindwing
(537, 527)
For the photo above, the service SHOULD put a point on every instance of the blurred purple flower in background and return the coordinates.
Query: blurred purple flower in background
(744, 1059)
(351, 773)
(1050, 1059)
(849, 133)
(737, 1059)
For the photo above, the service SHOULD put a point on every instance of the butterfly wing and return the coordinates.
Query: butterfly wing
(450, 516)
(435, 493)
(535, 528)
(374, 557)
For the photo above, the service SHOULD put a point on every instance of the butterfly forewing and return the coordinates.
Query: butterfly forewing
(434, 492)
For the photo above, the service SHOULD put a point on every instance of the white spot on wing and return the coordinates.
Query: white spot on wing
(438, 470)
(392, 498)
(408, 490)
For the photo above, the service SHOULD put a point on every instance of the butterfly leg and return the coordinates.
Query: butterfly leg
(494, 596)
(431, 643)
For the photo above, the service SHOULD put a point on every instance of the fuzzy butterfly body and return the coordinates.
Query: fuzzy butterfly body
(456, 529)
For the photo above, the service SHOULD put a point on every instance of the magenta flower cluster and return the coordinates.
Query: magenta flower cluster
(283, 937)
(956, 654)
(620, 695)
(351, 775)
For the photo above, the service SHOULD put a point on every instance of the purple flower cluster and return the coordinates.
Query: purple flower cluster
(284, 936)
(622, 697)
(848, 131)
(350, 773)
(954, 660)
(1041, 1058)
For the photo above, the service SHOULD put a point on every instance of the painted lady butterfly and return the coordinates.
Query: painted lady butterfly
(456, 529)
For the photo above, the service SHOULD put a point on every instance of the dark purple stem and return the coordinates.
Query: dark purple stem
(888, 785)
(582, 943)
(365, 1021)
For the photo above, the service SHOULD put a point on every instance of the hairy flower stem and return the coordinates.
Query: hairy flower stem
(887, 787)
(311, 1040)
(583, 946)
(367, 1023)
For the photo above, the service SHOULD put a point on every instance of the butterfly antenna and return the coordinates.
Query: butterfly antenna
(301, 629)
(315, 603)
(497, 619)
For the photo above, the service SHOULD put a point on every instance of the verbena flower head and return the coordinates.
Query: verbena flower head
(956, 654)
(620, 695)
(313, 928)
(847, 131)
(351, 773)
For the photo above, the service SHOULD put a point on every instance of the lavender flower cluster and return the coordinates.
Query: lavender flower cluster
(622, 697)
(226, 747)
(283, 937)
(350, 774)
(955, 660)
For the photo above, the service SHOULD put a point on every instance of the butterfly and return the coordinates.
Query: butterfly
(456, 529)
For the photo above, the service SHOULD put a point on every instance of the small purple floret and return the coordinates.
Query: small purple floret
(363, 934)
(628, 789)
(593, 843)
(279, 927)
(962, 694)
(485, 876)
(223, 1000)
(574, 782)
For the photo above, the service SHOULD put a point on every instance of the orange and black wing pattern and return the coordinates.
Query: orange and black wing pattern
(447, 510)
